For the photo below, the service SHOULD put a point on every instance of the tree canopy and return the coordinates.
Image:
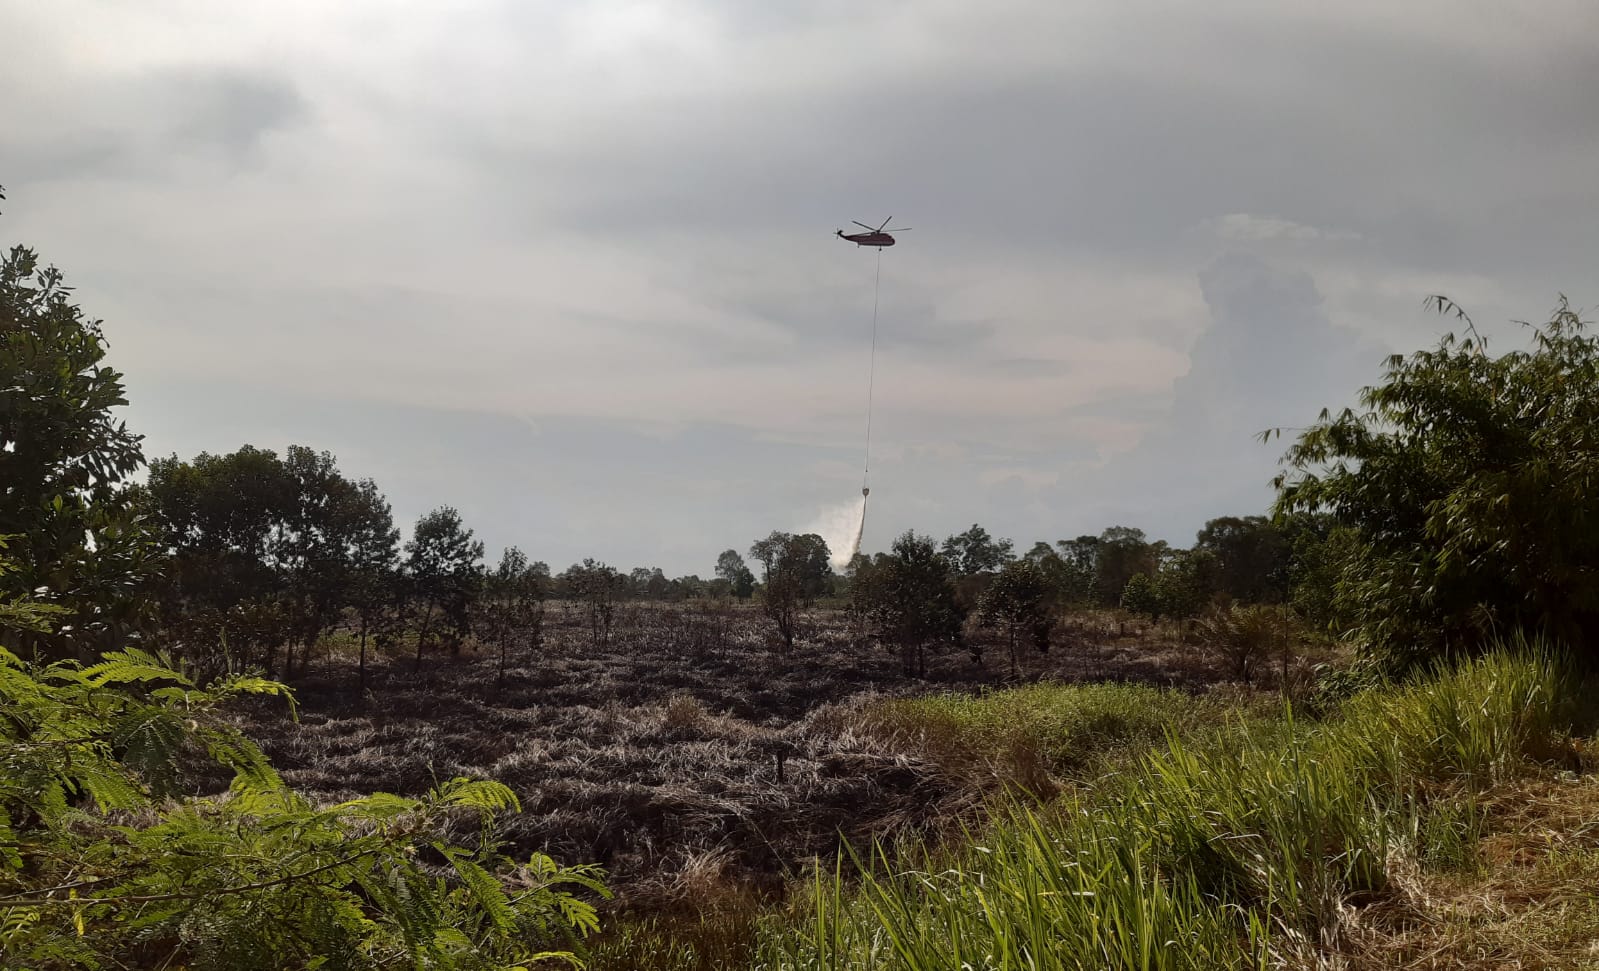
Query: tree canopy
(1470, 487)
(64, 459)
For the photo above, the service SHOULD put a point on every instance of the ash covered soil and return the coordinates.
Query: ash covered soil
(657, 754)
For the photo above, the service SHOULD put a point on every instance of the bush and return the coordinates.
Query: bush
(102, 865)
(1466, 489)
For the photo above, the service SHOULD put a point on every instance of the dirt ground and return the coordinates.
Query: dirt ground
(689, 743)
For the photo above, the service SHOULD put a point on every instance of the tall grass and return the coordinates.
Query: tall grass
(1240, 851)
(1029, 737)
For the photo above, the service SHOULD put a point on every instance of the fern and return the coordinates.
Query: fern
(257, 879)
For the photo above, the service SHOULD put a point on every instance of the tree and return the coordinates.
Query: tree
(731, 567)
(1019, 601)
(220, 521)
(598, 586)
(795, 571)
(1252, 557)
(1079, 569)
(1120, 553)
(974, 551)
(513, 604)
(1139, 596)
(64, 460)
(1469, 485)
(442, 566)
(373, 563)
(327, 522)
(908, 597)
(1186, 581)
(265, 552)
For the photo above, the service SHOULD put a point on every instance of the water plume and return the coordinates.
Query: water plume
(841, 526)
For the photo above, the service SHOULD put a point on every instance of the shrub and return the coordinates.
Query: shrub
(101, 864)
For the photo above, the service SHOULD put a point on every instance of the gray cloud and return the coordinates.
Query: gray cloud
(137, 128)
(571, 267)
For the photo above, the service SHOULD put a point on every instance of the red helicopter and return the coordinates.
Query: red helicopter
(872, 237)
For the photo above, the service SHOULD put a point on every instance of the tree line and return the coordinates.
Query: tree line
(1455, 503)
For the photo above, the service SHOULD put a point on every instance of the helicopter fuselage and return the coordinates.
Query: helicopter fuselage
(868, 239)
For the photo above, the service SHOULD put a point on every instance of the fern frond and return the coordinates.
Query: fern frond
(130, 666)
(482, 794)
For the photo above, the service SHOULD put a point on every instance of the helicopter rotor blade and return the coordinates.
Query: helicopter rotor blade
(905, 230)
(885, 223)
(863, 225)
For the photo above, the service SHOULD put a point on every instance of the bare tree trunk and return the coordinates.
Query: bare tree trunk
(422, 634)
(362, 686)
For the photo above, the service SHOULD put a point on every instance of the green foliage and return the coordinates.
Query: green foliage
(1139, 596)
(1186, 582)
(1470, 483)
(1119, 553)
(795, 571)
(1252, 557)
(731, 567)
(64, 458)
(103, 864)
(1238, 852)
(1246, 637)
(266, 551)
(444, 570)
(907, 598)
(1020, 600)
(1078, 571)
(975, 551)
(1030, 735)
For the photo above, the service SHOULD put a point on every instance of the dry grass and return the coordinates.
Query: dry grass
(1527, 901)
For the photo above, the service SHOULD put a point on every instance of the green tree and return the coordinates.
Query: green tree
(1253, 557)
(265, 552)
(1469, 485)
(443, 567)
(731, 567)
(64, 460)
(1079, 570)
(975, 551)
(1186, 582)
(1019, 600)
(220, 520)
(1120, 553)
(372, 581)
(1139, 596)
(795, 571)
(907, 597)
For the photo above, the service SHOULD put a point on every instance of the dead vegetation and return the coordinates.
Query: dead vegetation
(684, 750)
(1522, 898)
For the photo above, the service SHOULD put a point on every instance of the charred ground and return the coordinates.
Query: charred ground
(688, 743)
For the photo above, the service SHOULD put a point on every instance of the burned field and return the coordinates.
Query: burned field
(688, 746)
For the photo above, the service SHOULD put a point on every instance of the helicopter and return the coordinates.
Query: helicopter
(872, 237)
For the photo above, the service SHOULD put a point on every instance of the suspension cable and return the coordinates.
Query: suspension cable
(871, 376)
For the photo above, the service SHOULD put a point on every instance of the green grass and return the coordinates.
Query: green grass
(1033, 736)
(1240, 851)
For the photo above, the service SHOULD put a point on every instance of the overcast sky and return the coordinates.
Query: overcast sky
(569, 266)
